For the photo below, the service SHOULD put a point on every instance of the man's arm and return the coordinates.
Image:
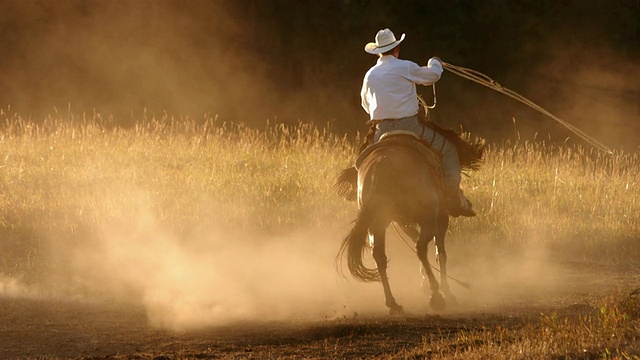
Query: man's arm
(425, 75)
(363, 96)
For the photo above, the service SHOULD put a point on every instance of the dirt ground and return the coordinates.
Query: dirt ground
(49, 328)
(35, 329)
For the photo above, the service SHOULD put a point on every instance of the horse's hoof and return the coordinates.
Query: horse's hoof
(437, 301)
(396, 310)
(451, 300)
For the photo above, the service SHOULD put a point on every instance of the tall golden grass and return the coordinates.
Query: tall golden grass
(69, 173)
(609, 330)
(81, 172)
(565, 197)
(68, 176)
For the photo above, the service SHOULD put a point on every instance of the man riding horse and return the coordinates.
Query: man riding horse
(389, 97)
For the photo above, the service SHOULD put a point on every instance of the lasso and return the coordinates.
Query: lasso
(484, 80)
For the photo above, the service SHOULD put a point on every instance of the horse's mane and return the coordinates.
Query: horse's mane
(470, 152)
(347, 184)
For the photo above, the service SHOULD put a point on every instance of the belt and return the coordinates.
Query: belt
(378, 121)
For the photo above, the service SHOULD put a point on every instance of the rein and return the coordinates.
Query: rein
(486, 81)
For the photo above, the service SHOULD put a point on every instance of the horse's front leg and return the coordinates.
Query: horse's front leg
(381, 261)
(436, 301)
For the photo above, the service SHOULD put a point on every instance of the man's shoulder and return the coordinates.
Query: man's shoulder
(394, 62)
(402, 64)
(406, 62)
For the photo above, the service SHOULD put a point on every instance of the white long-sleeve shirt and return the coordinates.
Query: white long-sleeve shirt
(389, 87)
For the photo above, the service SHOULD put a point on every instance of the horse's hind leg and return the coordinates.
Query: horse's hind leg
(411, 231)
(441, 256)
(436, 301)
(381, 261)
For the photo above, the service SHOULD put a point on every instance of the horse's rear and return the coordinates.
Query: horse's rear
(400, 182)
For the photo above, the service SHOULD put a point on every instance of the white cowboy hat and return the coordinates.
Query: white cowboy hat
(385, 41)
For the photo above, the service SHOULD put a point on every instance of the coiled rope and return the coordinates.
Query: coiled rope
(486, 81)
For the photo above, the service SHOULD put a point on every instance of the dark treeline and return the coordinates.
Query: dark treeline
(303, 60)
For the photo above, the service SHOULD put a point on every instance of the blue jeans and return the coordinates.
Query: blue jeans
(450, 162)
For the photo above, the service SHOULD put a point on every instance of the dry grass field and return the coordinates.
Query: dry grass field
(177, 238)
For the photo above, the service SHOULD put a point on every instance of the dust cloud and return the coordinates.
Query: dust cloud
(501, 280)
(592, 86)
(236, 60)
(211, 277)
(123, 57)
(129, 58)
(215, 276)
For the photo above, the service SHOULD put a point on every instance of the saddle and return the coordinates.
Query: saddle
(402, 138)
(470, 153)
(347, 184)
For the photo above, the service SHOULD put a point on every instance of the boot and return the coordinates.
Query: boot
(458, 204)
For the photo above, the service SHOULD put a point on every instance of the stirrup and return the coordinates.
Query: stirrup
(462, 211)
(456, 208)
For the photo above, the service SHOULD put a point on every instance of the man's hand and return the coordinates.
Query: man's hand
(435, 62)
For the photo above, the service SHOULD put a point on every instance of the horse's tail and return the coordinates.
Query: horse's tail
(354, 245)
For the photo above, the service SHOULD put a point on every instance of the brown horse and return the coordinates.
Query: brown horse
(399, 180)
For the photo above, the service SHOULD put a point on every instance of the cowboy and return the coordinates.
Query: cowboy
(389, 97)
